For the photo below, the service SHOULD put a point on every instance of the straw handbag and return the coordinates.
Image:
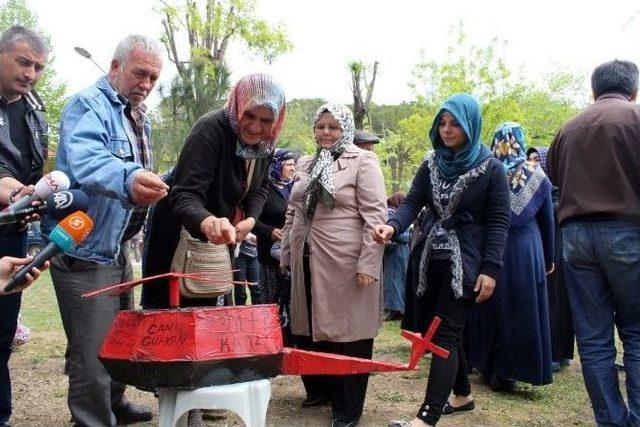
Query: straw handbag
(193, 256)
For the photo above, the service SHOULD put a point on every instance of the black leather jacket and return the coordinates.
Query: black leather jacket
(39, 130)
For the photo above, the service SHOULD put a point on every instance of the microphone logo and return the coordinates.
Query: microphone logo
(51, 182)
(76, 223)
(62, 199)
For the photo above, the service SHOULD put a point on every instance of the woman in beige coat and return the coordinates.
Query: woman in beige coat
(338, 197)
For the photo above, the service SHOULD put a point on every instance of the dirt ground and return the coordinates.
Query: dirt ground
(40, 392)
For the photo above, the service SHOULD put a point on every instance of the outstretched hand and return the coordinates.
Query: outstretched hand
(382, 233)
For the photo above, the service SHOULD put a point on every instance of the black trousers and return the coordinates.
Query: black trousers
(346, 392)
(451, 373)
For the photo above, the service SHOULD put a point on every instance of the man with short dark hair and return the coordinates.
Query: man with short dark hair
(595, 162)
(104, 148)
(23, 151)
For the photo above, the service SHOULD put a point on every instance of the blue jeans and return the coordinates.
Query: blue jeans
(602, 267)
(13, 245)
(249, 271)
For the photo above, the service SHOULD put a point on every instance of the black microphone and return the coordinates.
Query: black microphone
(50, 183)
(71, 231)
(58, 205)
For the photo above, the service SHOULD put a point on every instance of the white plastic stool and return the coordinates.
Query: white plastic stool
(249, 400)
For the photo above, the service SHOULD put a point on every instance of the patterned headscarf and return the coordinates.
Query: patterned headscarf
(510, 148)
(280, 156)
(255, 90)
(321, 185)
(466, 111)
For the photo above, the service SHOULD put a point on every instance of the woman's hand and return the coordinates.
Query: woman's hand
(552, 269)
(243, 228)
(276, 234)
(218, 230)
(382, 233)
(364, 280)
(9, 266)
(485, 285)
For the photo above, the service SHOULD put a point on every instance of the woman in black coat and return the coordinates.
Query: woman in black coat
(209, 195)
(268, 229)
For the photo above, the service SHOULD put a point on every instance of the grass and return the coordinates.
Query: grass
(562, 403)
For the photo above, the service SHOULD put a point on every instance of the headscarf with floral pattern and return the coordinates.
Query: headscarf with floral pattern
(510, 148)
(255, 90)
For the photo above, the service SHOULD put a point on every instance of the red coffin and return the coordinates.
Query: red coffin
(193, 347)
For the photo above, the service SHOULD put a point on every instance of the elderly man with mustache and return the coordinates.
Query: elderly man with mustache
(104, 149)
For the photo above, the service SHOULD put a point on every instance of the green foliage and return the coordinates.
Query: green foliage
(203, 77)
(16, 12)
(297, 133)
(541, 108)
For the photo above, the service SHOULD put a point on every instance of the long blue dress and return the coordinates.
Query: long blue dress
(509, 335)
(396, 261)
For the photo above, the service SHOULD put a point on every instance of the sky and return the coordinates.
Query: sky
(541, 36)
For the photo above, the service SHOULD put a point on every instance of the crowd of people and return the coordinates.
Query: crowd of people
(513, 247)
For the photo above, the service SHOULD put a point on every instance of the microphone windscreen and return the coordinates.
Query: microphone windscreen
(63, 203)
(77, 226)
(50, 183)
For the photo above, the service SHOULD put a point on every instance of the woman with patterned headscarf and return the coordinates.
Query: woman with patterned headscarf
(456, 260)
(509, 337)
(338, 196)
(220, 183)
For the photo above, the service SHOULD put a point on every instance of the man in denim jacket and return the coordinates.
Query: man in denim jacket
(23, 151)
(104, 149)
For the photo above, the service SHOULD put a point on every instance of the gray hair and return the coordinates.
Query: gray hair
(17, 34)
(132, 41)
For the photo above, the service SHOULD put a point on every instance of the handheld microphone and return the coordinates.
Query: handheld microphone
(50, 183)
(58, 205)
(71, 231)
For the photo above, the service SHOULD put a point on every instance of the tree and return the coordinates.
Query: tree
(52, 92)
(541, 108)
(358, 80)
(203, 72)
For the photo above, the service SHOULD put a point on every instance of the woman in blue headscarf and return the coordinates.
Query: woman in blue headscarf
(458, 255)
(509, 338)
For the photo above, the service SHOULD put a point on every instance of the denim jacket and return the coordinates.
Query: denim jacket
(97, 151)
(39, 133)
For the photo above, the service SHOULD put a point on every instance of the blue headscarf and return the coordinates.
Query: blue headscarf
(510, 147)
(466, 111)
(280, 156)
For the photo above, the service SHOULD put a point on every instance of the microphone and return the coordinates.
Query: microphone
(50, 183)
(69, 232)
(58, 205)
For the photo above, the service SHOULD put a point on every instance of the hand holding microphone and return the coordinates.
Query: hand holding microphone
(71, 231)
(10, 265)
(50, 183)
(58, 205)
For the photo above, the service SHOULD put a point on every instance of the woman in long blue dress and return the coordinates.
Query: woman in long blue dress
(395, 262)
(509, 336)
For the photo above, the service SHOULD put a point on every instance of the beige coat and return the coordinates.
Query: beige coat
(340, 245)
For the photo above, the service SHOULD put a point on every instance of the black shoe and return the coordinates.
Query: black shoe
(450, 410)
(131, 413)
(500, 384)
(338, 423)
(310, 402)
